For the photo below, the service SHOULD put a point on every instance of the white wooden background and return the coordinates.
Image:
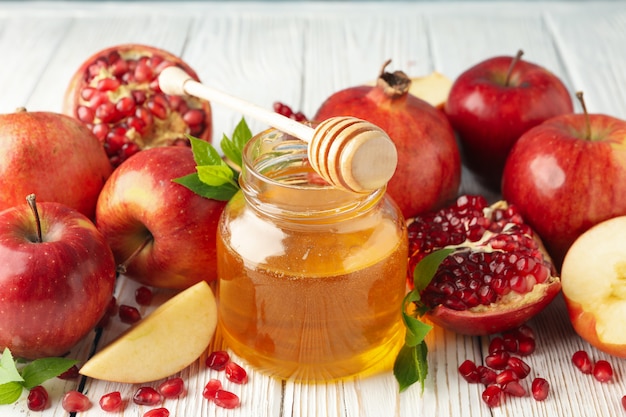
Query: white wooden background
(299, 53)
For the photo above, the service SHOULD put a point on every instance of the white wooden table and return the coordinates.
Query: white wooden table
(299, 53)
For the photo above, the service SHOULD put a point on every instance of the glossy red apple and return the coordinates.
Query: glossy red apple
(566, 175)
(53, 156)
(162, 233)
(55, 282)
(429, 164)
(494, 102)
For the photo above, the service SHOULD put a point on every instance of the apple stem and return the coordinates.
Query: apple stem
(514, 62)
(33, 206)
(579, 96)
(121, 268)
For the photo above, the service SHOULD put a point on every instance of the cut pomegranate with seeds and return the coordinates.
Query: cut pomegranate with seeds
(111, 402)
(147, 396)
(217, 360)
(118, 88)
(129, 314)
(603, 371)
(172, 388)
(74, 402)
(492, 396)
(235, 373)
(143, 295)
(37, 399)
(498, 276)
(211, 388)
(157, 412)
(226, 399)
(581, 360)
(540, 389)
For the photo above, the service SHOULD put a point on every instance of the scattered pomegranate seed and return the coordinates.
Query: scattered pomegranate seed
(111, 402)
(217, 360)
(624, 402)
(496, 345)
(236, 373)
(74, 401)
(37, 399)
(521, 368)
(469, 371)
(526, 331)
(71, 373)
(540, 388)
(510, 342)
(581, 360)
(129, 314)
(514, 388)
(226, 399)
(492, 396)
(172, 388)
(211, 389)
(487, 376)
(157, 412)
(147, 396)
(506, 376)
(497, 360)
(143, 296)
(526, 345)
(603, 371)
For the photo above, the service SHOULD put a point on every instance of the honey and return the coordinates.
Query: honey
(311, 278)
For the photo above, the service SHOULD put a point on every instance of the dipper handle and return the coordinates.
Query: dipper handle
(347, 152)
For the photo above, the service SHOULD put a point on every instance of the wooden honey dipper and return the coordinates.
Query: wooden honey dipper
(347, 152)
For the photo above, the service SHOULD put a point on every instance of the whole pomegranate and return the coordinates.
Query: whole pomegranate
(53, 156)
(498, 276)
(116, 93)
(429, 163)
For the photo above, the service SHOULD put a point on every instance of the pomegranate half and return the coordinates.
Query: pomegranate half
(498, 276)
(116, 93)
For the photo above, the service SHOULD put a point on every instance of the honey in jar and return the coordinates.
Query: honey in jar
(311, 277)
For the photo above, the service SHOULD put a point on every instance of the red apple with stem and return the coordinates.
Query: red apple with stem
(567, 175)
(56, 280)
(162, 234)
(493, 103)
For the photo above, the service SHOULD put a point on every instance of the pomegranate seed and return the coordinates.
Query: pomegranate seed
(486, 375)
(74, 401)
(112, 307)
(129, 314)
(139, 96)
(603, 371)
(497, 360)
(100, 131)
(496, 345)
(506, 376)
(525, 346)
(157, 412)
(143, 72)
(147, 396)
(217, 360)
(468, 371)
(581, 360)
(211, 389)
(126, 106)
(492, 396)
(158, 110)
(71, 373)
(193, 117)
(107, 84)
(540, 388)
(521, 368)
(624, 402)
(107, 112)
(87, 93)
(236, 373)
(526, 331)
(514, 388)
(226, 399)
(85, 114)
(143, 296)
(111, 402)
(172, 388)
(510, 342)
(37, 399)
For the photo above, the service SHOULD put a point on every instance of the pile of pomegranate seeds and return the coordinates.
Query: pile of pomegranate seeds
(496, 254)
(286, 111)
(220, 360)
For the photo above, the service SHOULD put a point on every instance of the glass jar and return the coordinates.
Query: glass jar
(311, 277)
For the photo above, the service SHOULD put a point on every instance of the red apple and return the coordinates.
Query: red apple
(161, 232)
(53, 156)
(428, 173)
(55, 283)
(493, 103)
(594, 288)
(566, 175)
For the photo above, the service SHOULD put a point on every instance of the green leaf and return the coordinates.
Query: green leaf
(411, 366)
(233, 147)
(426, 268)
(216, 175)
(8, 370)
(40, 370)
(222, 193)
(10, 392)
(416, 330)
(204, 153)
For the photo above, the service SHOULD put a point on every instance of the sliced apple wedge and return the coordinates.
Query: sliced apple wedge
(161, 344)
(432, 88)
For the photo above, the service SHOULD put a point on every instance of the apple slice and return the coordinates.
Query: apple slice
(594, 285)
(163, 343)
(432, 88)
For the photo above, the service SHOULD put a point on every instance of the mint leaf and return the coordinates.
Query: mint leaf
(411, 366)
(222, 193)
(204, 153)
(8, 370)
(216, 175)
(232, 148)
(10, 392)
(40, 370)
(426, 268)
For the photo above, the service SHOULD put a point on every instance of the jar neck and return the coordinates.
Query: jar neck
(277, 181)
